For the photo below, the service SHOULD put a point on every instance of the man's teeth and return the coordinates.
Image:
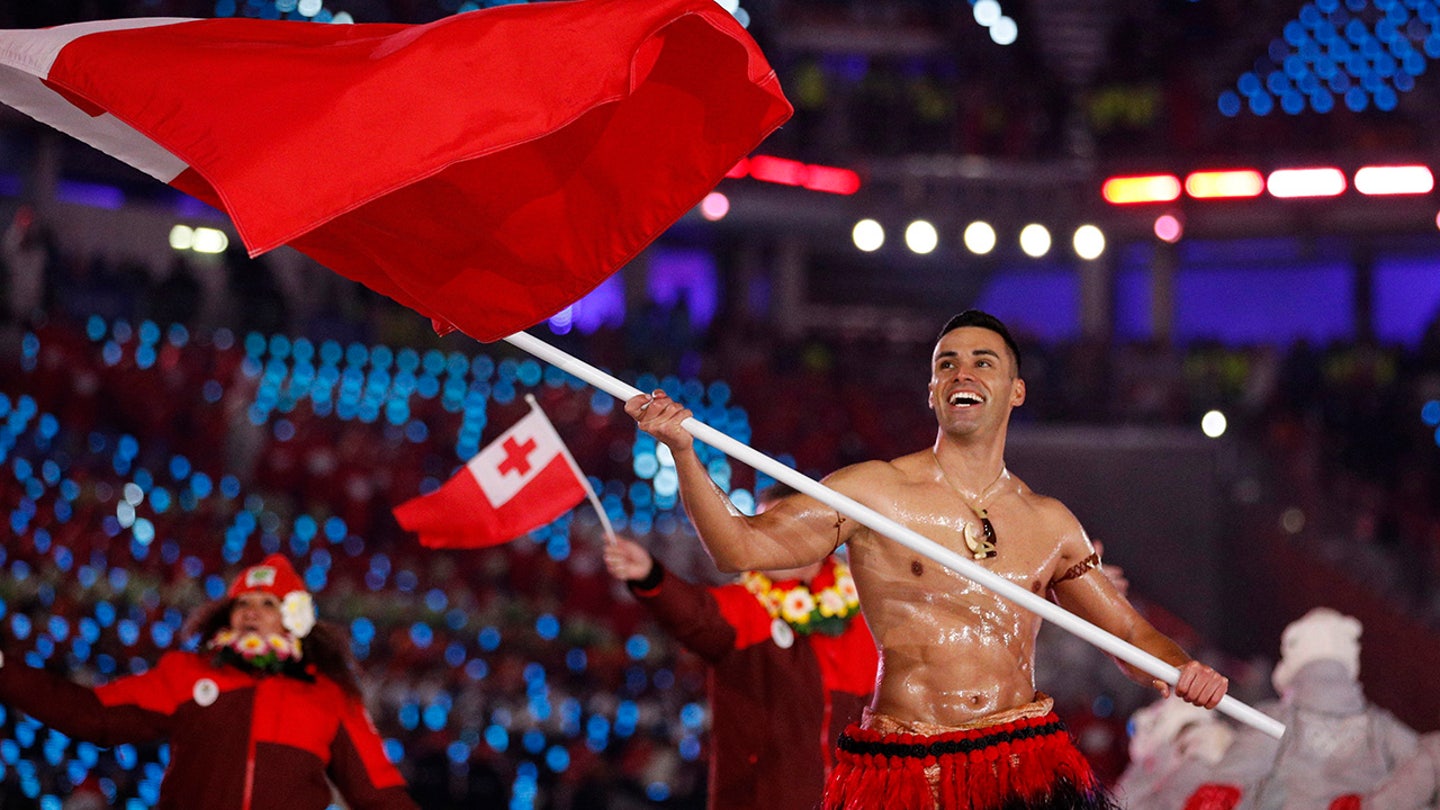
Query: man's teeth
(964, 398)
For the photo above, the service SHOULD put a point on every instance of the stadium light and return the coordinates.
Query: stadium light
(1316, 182)
(1383, 180)
(1227, 184)
(1141, 189)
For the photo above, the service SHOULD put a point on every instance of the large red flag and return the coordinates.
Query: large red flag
(520, 481)
(486, 170)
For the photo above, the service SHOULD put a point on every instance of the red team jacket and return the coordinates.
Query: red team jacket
(238, 741)
(776, 713)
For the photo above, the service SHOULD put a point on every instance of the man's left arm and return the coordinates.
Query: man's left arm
(1083, 589)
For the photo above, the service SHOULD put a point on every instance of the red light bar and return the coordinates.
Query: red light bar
(771, 169)
(832, 180)
(777, 170)
(1141, 189)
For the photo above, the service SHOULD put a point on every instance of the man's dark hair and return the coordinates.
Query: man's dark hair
(983, 320)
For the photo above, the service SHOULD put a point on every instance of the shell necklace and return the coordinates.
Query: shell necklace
(982, 545)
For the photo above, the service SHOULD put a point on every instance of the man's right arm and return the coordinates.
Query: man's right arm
(796, 531)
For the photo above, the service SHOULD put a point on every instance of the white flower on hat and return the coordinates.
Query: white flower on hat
(297, 613)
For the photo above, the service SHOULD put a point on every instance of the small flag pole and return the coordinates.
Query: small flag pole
(575, 468)
(903, 535)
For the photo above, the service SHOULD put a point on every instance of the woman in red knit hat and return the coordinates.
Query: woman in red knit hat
(266, 713)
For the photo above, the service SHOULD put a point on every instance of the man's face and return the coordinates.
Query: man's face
(972, 381)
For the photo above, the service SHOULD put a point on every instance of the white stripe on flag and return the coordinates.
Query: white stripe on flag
(34, 50)
(27, 56)
(104, 132)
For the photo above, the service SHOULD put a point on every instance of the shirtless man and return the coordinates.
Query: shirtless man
(955, 721)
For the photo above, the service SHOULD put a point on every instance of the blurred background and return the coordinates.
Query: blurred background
(1211, 223)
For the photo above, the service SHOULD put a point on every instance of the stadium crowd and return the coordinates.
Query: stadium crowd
(148, 454)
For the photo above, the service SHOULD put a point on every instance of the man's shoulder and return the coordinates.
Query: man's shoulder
(870, 472)
(1045, 507)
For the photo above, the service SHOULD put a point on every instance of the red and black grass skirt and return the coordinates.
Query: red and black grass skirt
(1025, 764)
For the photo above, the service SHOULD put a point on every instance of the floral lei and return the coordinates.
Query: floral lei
(274, 654)
(827, 611)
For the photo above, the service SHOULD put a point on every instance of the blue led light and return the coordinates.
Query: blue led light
(690, 748)
(435, 600)
(356, 355)
(692, 715)
(435, 717)
(557, 759)
(637, 646)
(1430, 412)
(497, 738)
(455, 654)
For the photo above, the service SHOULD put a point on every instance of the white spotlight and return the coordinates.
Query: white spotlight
(869, 235)
(1035, 240)
(921, 237)
(1213, 424)
(182, 237)
(1004, 31)
(979, 237)
(1089, 242)
(986, 12)
(210, 240)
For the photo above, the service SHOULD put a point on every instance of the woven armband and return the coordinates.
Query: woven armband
(1078, 570)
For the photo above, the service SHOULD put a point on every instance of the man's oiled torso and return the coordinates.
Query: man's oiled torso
(951, 651)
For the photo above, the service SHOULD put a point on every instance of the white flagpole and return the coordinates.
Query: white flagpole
(903, 535)
(575, 468)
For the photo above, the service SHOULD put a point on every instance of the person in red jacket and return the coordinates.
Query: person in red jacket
(792, 663)
(264, 715)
